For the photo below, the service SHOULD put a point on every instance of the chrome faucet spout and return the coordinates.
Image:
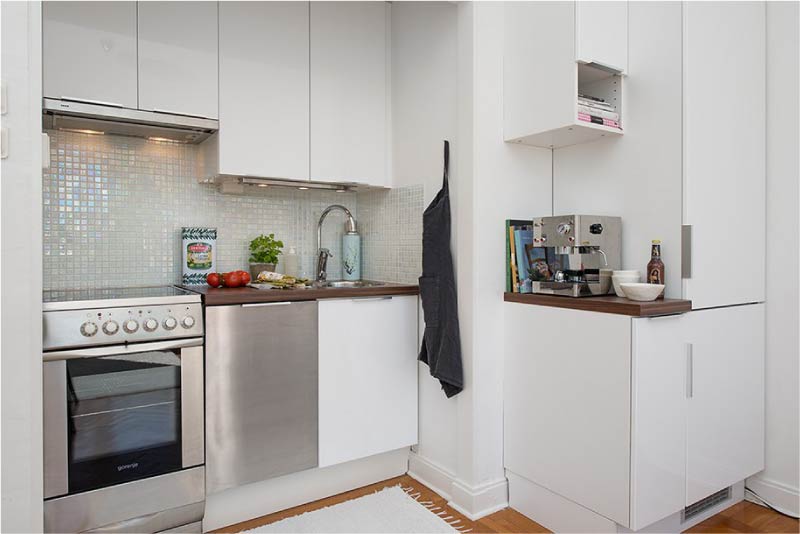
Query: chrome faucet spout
(323, 253)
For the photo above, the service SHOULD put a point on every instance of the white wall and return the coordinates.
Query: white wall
(510, 181)
(424, 110)
(21, 267)
(637, 176)
(492, 181)
(778, 483)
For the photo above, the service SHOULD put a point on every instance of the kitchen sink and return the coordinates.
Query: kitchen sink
(349, 284)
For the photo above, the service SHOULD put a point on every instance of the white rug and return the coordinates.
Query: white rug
(389, 510)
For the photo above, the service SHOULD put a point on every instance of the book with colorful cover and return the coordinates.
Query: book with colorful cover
(523, 236)
(512, 253)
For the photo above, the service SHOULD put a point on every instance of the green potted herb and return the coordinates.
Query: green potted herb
(264, 252)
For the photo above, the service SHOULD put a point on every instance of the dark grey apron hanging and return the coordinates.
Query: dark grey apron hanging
(441, 344)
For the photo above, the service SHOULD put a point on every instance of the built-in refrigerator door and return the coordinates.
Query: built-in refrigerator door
(725, 410)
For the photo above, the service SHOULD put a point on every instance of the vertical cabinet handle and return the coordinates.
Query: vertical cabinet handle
(689, 371)
(686, 251)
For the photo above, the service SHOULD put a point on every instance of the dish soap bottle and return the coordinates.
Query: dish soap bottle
(655, 268)
(351, 255)
(290, 262)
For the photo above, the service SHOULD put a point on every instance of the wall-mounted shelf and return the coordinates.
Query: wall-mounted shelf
(552, 98)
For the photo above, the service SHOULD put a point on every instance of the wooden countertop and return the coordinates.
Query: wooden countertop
(605, 304)
(214, 296)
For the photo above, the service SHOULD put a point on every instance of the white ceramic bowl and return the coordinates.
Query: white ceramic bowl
(618, 279)
(626, 273)
(642, 292)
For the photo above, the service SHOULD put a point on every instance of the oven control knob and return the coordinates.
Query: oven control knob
(110, 327)
(150, 324)
(88, 329)
(170, 323)
(564, 228)
(187, 321)
(130, 326)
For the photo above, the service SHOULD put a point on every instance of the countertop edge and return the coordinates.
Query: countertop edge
(604, 304)
(248, 295)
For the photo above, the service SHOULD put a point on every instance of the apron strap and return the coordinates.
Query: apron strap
(446, 164)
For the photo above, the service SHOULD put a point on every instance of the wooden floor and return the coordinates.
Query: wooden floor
(744, 517)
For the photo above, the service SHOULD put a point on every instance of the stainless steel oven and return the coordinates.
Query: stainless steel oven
(124, 423)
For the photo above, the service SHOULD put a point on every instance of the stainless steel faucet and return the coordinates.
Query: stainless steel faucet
(324, 253)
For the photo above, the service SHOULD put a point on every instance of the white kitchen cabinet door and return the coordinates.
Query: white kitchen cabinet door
(724, 152)
(263, 90)
(367, 377)
(658, 414)
(601, 33)
(348, 92)
(178, 57)
(726, 398)
(89, 52)
(567, 404)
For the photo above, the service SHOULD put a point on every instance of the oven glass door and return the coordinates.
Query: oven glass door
(121, 413)
(123, 418)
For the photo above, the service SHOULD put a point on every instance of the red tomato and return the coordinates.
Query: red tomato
(245, 277)
(233, 279)
(213, 279)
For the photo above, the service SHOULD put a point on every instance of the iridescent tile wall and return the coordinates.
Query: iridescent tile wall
(114, 207)
(390, 223)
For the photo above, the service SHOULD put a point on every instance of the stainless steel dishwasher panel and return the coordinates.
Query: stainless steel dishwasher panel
(261, 392)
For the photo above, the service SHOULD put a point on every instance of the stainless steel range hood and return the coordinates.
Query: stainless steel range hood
(85, 117)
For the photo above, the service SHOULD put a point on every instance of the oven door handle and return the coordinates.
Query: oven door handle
(97, 352)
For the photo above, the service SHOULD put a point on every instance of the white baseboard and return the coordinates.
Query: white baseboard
(479, 501)
(473, 502)
(261, 498)
(776, 494)
(431, 474)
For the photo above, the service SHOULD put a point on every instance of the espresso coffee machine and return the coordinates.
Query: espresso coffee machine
(573, 255)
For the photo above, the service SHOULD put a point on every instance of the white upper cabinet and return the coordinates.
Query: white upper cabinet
(89, 52)
(367, 377)
(553, 52)
(349, 92)
(724, 152)
(601, 34)
(263, 90)
(178, 57)
(726, 398)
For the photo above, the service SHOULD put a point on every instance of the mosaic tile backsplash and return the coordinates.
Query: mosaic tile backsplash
(390, 224)
(114, 207)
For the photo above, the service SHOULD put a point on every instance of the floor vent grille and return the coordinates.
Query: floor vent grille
(702, 505)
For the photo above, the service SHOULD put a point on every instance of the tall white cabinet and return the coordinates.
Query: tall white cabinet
(177, 57)
(724, 152)
(89, 52)
(349, 105)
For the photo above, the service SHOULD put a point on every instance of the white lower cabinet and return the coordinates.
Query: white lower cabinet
(691, 387)
(367, 377)
(725, 424)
